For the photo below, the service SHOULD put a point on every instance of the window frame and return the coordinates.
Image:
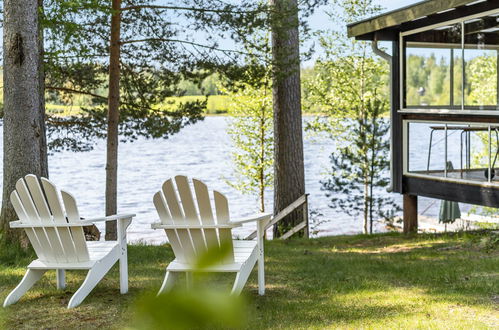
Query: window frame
(442, 109)
(405, 154)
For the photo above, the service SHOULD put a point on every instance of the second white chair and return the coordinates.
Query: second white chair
(194, 227)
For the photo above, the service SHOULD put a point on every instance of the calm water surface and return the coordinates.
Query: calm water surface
(201, 151)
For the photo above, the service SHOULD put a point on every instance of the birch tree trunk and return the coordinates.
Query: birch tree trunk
(113, 116)
(24, 143)
(289, 176)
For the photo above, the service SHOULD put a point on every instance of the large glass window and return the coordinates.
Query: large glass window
(453, 151)
(437, 61)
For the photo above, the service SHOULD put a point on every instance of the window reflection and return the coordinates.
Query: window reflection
(454, 151)
(480, 56)
(438, 61)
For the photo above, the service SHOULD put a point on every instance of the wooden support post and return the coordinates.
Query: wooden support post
(305, 217)
(410, 214)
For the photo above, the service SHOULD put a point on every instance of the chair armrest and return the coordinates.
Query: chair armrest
(158, 225)
(257, 217)
(19, 224)
(109, 218)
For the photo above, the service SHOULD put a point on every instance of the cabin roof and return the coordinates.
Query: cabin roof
(387, 25)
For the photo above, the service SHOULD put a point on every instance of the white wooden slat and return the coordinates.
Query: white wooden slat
(54, 201)
(172, 201)
(162, 209)
(18, 207)
(30, 232)
(68, 250)
(165, 217)
(77, 233)
(223, 217)
(178, 218)
(38, 197)
(205, 213)
(190, 213)
(33, 238)
(47, 239)
(70, 206)
(25, 197)
(184, 191)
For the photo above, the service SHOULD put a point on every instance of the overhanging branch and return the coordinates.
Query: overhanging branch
(75, 91)
(183, 42)
(201, 10)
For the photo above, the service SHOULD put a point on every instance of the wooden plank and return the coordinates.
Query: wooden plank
(294, 230)
(287, 210)
(410, 213)
(305, 216)
(454, 117)
(177, 215)
(396, 142)
(165, 217)
(73, 216)
(222, 212)
(403, 15)
(452, 191)
(205, 213)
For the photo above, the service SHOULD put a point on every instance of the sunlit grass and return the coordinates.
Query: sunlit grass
(383, 281)
(217, 104)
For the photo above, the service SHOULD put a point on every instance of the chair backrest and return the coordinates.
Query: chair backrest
(42, 204)
(176, 205)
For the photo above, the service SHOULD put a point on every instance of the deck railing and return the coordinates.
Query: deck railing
(302, 201)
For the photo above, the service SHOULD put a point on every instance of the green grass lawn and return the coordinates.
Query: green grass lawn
(349, 282)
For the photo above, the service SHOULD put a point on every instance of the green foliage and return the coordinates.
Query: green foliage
(159, 51)
(199, 307)
(433, 75)
(188, 309)
(251, 131)
(351, 88)
(358, 174)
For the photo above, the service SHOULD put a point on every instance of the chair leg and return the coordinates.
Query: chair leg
(124, 273)
(61, 278)
(242, 278)
(168, 282)
(30, 278)
(94, 276)
(261, 276)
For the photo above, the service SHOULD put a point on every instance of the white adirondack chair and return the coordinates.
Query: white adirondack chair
(193, 230)
(55, 231)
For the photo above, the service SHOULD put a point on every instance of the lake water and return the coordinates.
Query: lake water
(201, 151)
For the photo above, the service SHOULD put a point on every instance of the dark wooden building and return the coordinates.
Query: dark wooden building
(444, 100)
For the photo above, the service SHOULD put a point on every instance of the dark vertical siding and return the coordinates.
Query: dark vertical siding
(396, 119)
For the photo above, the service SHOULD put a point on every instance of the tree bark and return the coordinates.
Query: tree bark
(113, 120)
(289, 176)
(24, 148)
(41, 70)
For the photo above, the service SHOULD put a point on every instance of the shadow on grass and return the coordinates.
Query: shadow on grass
(349, 278)
(335, 281)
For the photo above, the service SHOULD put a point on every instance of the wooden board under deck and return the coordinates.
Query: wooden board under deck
(452, 191)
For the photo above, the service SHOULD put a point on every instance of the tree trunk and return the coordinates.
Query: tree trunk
(289, 176)
(24, 148)
(366, 208)
(43, 137)
(113, 120)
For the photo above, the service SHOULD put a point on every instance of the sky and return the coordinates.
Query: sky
(320, 21)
